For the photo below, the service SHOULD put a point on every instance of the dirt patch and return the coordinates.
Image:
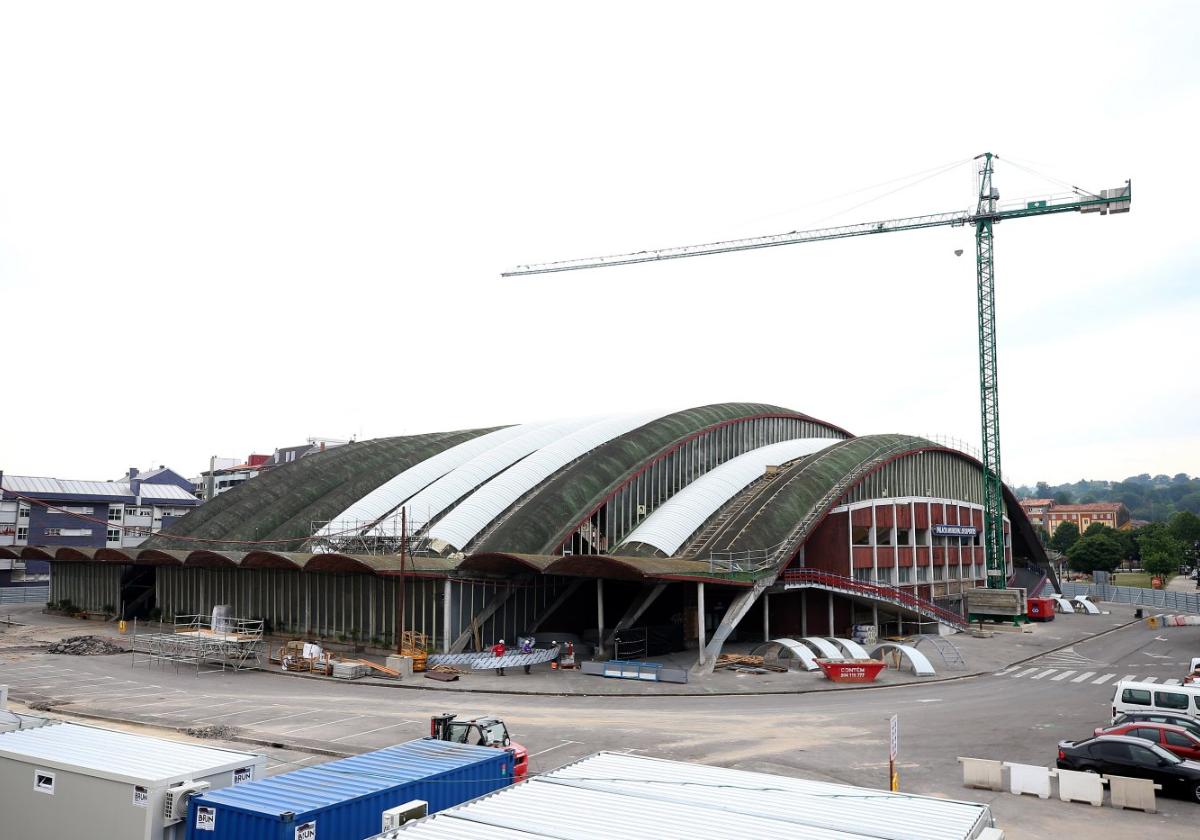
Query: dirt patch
(85, 646)
(223, 733)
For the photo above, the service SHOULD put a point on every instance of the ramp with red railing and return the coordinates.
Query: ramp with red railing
(818, 579)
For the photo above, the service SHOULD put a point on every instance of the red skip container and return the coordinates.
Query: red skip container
(851, 670)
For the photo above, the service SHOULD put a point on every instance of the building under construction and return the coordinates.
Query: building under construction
(717, 523)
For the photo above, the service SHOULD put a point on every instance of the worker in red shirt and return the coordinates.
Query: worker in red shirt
(499, 649)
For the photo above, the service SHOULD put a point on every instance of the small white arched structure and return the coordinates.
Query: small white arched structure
(1088, 606)
(921, 666)
(1064, 604)
(853, 649)
(828, 650)
(805, 656)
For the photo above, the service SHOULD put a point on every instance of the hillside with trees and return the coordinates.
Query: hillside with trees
(1152, 498)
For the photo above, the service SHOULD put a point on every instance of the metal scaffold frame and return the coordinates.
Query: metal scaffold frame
(232, 644)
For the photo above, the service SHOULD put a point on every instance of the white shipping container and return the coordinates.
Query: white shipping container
(82, 781)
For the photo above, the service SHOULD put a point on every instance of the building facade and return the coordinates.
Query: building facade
(1108, 514)
(726, 522)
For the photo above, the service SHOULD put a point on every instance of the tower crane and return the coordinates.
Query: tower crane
(986, 215)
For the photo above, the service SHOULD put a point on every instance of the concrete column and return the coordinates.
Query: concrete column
(830, 594)
(700, 618)
(803, 612)
(875, 614)
(446, 600)
(766, 617)
(600, 617)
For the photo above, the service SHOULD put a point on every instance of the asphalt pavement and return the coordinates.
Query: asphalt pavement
(1016, 711)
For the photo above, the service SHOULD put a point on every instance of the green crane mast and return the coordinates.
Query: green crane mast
(986, 215)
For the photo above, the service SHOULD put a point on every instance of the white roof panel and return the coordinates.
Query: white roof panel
(438, 497)
(165, 491)
(117, 755)
(615, 794)
(393, 492)
(464, 523)
(679, 517)
(38, 484)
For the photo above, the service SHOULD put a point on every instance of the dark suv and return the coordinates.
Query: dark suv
(1120, 755)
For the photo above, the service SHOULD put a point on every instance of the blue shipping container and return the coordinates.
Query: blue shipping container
(344, 800)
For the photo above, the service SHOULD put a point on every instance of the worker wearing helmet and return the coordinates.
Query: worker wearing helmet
(499, 649)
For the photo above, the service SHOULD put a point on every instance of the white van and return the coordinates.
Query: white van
(1133, 696)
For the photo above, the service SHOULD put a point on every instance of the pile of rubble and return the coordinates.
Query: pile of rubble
(220, 732)
(86, 646)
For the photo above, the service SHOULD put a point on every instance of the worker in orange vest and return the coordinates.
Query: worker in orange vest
(499, 649)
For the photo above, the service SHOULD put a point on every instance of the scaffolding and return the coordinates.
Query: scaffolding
(229, 644)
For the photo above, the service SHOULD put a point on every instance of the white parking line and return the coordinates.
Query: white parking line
(1149, 679)
(563, 744)
(1084, 676)
(1045, 673)
(1103, 679)
(1007, 671)
(1061, 676)
(1128, 677)
(228, 714)
(319, 725)
(369, 731)
(280, 717)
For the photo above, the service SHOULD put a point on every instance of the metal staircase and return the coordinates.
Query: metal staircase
(818, 579)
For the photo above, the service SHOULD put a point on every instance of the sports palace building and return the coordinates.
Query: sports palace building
(716, 524)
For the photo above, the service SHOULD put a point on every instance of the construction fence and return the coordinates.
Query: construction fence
(1159, 599)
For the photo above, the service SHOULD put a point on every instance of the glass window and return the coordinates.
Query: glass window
(1111, 750)
(905, 575)
(53, 532)
(939, 572)
(922, 536)
(1146, 733)
(22, 533)
(923, 574)
(883, 536)
(1136, 696)
(860, 535)
(114, 534)
(902, 536)
(862, 574)
(1170, 700)
(114, 514)
(885, 574)
(1178, 739)
(1143, 756)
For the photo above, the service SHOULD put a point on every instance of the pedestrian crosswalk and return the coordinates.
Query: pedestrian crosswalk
(1077, 676)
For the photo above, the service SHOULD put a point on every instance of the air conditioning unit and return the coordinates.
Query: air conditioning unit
(175, 806)
(409, 811)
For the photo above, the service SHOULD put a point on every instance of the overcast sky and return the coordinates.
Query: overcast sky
(227, 227)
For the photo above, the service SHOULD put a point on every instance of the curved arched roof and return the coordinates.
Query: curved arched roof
(431, 502)
(679, 517)
(459, 527)
(549, 514)
(283, 503)
(397, 489)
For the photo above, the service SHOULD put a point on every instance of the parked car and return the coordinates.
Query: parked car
(1186, 721)
(1174, 739)
(1120, 755)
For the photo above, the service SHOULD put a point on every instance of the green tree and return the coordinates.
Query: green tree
(1063, 497)
(1065, 536)
(1162, 554)
(1095, 528)
(1094, 553)
(1185, 527)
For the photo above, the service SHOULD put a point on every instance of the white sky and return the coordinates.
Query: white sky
(225, 227)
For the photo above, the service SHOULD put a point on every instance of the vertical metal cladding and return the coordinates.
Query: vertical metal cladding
(344, 800)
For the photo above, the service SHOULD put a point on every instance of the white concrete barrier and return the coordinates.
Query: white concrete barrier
(1029, 778)
(1133, 793)
(1077, 786)
(983, 773)
(1088, 606)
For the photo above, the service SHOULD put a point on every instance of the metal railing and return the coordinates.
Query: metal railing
(874, 591)
(1160, 599)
